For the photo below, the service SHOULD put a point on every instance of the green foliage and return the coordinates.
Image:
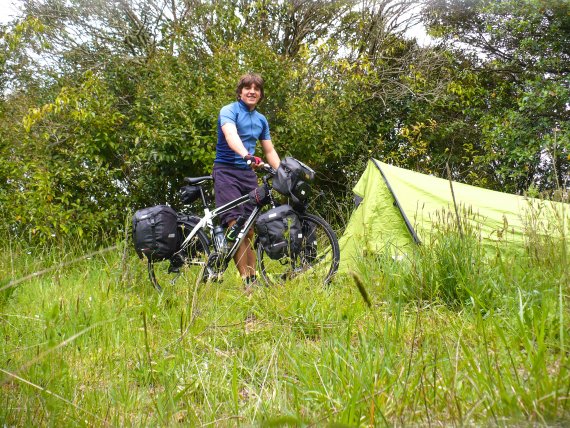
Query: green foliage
(65, 176)
(96, 126)
(16, 42)
(517, 103)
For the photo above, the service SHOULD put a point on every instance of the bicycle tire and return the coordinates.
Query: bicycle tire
(190, 263)
(318, 258)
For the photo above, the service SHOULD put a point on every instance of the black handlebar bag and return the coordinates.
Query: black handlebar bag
(280, 232)
(154, 232)
(292, 180)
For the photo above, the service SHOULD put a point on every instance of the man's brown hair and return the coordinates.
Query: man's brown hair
(248, 80)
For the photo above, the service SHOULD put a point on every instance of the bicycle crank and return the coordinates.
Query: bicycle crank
(214, 269)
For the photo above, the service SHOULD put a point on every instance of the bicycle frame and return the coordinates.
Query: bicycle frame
(206, 221)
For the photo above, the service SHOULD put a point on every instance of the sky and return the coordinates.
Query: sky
(7, 10)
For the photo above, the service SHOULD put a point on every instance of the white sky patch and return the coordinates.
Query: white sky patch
(418, 30)
(8, 10)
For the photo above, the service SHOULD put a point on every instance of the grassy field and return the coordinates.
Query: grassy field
(445, 337)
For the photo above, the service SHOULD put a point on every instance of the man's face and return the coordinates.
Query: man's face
(250, 95)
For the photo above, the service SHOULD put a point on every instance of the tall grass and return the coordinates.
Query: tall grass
(446, 336)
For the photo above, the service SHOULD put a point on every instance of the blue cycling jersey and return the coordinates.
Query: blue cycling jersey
(251, 126)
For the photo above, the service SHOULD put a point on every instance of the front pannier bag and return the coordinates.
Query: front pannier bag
(279, 231)
(292, 179)
(154, 232)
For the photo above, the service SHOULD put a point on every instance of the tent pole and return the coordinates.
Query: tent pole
(408, 224)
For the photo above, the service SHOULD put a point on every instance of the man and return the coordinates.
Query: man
(240, 126)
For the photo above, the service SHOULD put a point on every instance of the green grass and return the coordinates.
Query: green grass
(443, 337)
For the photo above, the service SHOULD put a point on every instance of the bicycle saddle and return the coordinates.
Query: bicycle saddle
(197, 180)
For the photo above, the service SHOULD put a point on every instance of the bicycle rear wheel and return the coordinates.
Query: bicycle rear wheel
(188, 263)
(317, 261)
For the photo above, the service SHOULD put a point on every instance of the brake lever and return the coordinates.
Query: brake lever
(268, 168)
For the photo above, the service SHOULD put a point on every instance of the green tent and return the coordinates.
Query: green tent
(401, 208)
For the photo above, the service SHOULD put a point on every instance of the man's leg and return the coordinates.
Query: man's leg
(245, 256)
(251, 259)
(229, 184)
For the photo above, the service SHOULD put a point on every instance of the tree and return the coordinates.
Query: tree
(129, 92)
(520, 52)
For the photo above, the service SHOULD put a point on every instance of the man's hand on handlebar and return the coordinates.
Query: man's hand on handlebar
(253, 161)
(257, 164)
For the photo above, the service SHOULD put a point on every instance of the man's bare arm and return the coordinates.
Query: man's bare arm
(270, 153)
(233, 139)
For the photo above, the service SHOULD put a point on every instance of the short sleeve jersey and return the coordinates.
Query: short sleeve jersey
(251, 127)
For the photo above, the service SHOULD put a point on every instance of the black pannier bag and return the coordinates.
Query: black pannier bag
(279, 231)
(292, 179)
(189, 194)
(154, 232)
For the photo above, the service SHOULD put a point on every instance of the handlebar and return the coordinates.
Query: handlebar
(265, 167)
(261, 166)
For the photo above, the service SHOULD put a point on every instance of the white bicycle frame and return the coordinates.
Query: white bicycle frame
(207, 222)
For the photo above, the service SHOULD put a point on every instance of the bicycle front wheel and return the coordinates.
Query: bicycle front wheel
(189, 263)
(317, 261)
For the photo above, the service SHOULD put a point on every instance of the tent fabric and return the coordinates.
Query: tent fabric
(401, 208)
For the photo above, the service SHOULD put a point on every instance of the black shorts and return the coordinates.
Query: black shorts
(229, 184)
